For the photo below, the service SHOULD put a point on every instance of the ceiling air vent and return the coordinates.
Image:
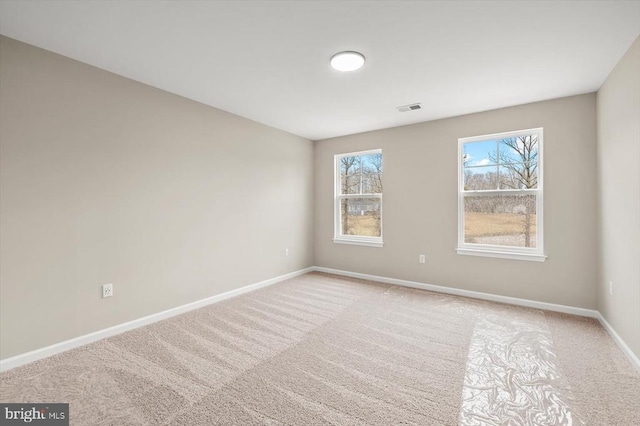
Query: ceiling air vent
(411, 107)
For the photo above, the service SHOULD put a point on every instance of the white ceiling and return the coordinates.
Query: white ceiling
(269, 60)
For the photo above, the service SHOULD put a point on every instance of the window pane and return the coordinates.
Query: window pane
(479, 153)
(350, 175)
(372, 174)
(503, 220)
(372, 183)
(477, 178)
(518, 176)
(519, 149)
(360, 216)
(372, 162)
(361, 174)
(519, 161)
(510, 150)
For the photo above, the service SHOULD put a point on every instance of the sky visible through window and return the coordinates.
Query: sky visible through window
(369, 161)
(484, 153)
(478, 153)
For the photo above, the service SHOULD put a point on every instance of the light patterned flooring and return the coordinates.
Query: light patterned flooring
(321, 349)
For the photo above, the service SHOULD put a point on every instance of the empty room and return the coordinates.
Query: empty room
(319, 212)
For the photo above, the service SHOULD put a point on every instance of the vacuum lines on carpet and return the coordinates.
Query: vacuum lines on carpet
(325, 350)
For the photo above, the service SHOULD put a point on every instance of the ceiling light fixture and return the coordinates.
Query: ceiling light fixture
(347, 61)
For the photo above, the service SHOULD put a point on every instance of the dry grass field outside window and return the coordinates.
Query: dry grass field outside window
(365, 225)
(481, 228)
(497, 228)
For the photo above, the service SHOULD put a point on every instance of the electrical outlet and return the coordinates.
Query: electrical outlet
(422, 258)
(107, 290)
(611, 288)
(286, 252)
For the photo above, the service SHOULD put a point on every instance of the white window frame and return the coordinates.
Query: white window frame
(338, 196)
(487, 250)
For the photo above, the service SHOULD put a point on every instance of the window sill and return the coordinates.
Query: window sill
(502, 254)
(358, 242)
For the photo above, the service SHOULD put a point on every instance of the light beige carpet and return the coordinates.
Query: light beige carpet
(320, 349)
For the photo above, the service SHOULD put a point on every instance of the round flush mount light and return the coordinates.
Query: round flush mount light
(347, 61)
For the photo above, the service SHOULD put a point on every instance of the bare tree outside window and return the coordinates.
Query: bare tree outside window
(522, 174)
(520, 162)
(349, 183)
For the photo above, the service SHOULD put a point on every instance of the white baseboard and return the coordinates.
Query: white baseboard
(591, 313)
(466, 293)
(621, 343)
(18, 360)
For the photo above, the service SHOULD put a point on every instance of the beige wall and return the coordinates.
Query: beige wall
(420, 204)
(619, 197)
(106, 180)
